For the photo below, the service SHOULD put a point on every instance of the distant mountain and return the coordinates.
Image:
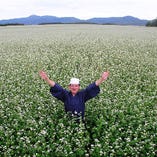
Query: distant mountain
(126, 20)
(36, 20)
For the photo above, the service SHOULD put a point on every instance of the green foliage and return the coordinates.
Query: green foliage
(121, 121)
(152, 23)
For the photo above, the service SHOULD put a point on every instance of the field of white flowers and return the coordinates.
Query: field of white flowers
(121, 121)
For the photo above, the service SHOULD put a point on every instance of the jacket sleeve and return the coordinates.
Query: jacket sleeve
(91, 91)
(58, 92)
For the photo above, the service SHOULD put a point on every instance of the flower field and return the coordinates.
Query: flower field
(120, 121)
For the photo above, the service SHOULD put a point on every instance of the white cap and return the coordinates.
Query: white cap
(74, 81)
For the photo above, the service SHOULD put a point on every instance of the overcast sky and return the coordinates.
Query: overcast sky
(83, 9)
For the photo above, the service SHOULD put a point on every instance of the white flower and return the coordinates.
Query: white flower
(43, 132)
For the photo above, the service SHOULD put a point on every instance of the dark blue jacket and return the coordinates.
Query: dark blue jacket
(75, 104)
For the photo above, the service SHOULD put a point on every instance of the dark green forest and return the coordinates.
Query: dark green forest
(152, 23)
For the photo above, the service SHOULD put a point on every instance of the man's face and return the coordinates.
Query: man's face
(74, 88)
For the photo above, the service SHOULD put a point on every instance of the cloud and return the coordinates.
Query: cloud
(79, 8)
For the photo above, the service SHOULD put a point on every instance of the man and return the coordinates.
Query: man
(74, 99)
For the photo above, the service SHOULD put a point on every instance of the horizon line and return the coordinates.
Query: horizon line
(72, 17)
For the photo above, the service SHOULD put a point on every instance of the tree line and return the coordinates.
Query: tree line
(11, 24)
(152, 23)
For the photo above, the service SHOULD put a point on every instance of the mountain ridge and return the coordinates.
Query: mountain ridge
(47, 19)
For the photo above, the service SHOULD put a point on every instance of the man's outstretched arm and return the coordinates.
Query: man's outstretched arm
(44, 76)
(103, 77)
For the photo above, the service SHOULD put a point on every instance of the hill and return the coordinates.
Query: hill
(126, 20)
(36, 20)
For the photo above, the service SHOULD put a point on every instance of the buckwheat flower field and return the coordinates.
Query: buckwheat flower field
(120, 121)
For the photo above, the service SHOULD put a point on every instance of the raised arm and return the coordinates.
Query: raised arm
(44, 76)
(103, 77)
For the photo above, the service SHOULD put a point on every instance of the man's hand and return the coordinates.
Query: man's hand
(43, 75)
(103, 77)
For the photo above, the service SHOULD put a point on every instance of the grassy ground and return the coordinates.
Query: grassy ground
(121, 121)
